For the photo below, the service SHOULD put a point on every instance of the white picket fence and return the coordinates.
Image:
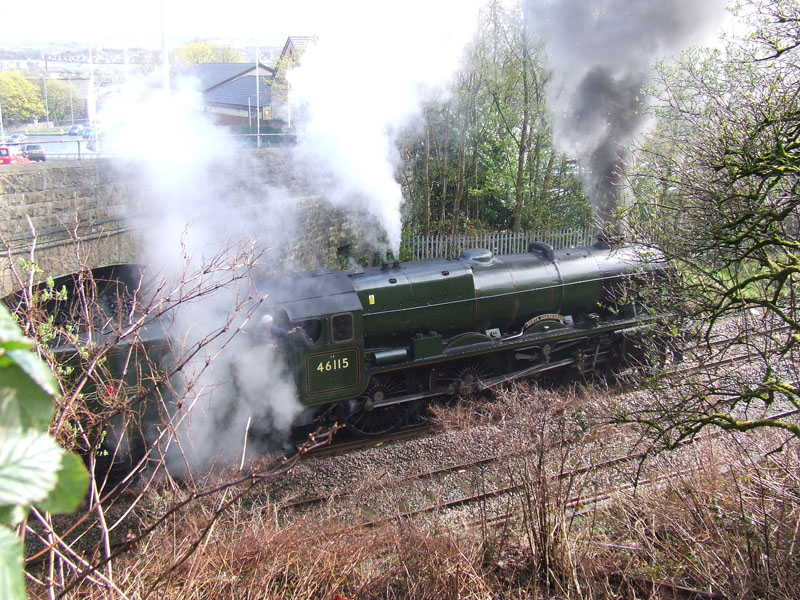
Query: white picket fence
(448, 246)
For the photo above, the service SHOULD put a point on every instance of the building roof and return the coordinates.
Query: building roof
(238, 91)
(296, 43)
(211, 75)
(293, 49)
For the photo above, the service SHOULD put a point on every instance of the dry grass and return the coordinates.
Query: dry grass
(730, 524)
(257, 558)
(721, 516)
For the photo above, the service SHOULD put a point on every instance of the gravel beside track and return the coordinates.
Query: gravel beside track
(488, 460)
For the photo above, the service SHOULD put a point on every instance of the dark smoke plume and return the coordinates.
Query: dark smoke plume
(604, 103)
(601, 52)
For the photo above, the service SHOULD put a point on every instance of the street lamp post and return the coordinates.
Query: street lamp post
(46, 109)
(2, 135)
(44, 85)
(164, 53)
(71, 110)
(258, 105)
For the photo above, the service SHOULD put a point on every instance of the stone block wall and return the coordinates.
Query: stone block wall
(47, 206)
(89, 213)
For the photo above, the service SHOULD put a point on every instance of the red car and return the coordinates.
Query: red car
(12, 155)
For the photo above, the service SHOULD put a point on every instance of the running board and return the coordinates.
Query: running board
(480, 385)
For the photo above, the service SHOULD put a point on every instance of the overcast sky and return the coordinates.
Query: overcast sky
(138, 22)
(263, 22)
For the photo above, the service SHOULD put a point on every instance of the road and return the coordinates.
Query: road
(61, 147)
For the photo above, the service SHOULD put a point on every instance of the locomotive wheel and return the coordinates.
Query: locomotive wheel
(367, 420)
(597, 361)
(461, 377)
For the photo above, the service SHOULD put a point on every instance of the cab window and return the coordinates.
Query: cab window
(342, 327)
(312, 328)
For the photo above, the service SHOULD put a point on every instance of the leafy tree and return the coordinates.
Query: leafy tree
(288, 60)
(226, 54)
(515, 93)
(64, 101)
(485, 159)
(21, 100)
(717, 185)
(34, 469)
(198, 51)
(193, 53)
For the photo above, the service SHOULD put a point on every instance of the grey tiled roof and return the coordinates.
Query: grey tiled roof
(238, 91)
(297, 42)
(212, 74)
(293, 48)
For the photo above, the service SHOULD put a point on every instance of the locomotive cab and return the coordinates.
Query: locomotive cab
(332, 369)
(325, 308)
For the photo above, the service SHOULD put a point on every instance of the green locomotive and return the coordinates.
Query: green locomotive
(382, 339)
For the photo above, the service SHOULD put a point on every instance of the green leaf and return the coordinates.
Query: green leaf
(70, 490)
(29, 466)
(23, 403)
(10, 334)
(11, 515)
(36, 369)
(12, 583)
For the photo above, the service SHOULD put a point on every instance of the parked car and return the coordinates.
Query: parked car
(12, 155)
(75, 130)
(35, 152)
(91, 132)
(17, 138)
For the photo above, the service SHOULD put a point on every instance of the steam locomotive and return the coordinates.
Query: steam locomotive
(379, 341)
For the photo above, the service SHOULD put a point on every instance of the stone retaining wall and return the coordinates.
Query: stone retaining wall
(90, 214)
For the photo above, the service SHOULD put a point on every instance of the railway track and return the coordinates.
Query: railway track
(466, 467)
(461, 468)
(355, 445)
(350, 445)
(576, 505)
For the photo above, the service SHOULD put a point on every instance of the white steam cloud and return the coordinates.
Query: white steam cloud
(363, 82)
(206, 216)
(358, 87)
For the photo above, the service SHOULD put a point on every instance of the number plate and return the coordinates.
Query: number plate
(332, 371)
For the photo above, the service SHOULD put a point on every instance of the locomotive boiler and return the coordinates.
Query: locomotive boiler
(382, 339)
